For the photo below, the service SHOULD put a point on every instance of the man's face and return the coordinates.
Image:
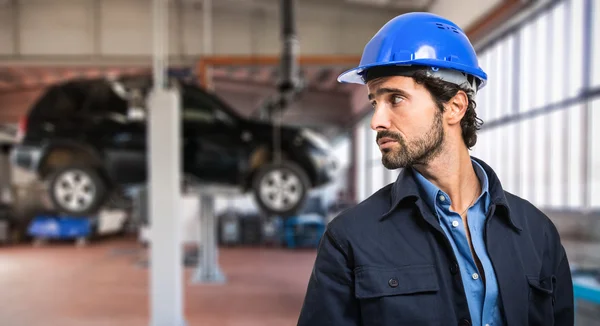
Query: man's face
(408, 122)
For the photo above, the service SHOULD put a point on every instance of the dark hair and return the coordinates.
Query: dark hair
(442, 92)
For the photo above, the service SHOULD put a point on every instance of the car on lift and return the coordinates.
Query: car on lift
(86, 138)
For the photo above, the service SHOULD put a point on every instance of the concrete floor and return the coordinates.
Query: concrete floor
(105, 284)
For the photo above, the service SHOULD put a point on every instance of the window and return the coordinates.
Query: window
(559, 51)
(595, 44)
(376, 175)
(200, 107)
(575, 195)
(575, 41)
(557, 154)
(595, 155)
(526, 75)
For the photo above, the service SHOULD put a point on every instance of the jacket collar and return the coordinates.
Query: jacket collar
(406, 189)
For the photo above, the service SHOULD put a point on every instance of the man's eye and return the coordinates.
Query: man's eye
(396, 99)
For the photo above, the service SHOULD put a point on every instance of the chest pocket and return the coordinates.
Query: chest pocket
(541, 300)
(406, 295)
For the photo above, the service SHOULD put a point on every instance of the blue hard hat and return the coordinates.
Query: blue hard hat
(419, 39)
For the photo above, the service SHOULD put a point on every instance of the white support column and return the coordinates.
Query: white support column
(164, 209)
(164, 186)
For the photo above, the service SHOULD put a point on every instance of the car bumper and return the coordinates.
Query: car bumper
(26, 157)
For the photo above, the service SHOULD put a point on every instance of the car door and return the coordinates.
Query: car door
(121, 137)
(212, 146)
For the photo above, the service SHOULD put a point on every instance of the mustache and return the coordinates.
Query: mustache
(388, 134)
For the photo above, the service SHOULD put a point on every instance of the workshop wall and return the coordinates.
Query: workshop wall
(123, 28)
(464, 12)
(16, 103)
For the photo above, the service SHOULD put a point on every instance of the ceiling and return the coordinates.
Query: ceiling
(404, 5)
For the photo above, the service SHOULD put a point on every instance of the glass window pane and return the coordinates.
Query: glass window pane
(557, 152)
(390, 176)
(595, 154)
(539, 160)
(525, 168)
(506, 66)
(559, 49)
(493, 82)
(540, 68)
(376, 177)
(575, 193)
(496, 155)
(375, 152)
(576, 48)
(525, 75)
(596, 43)
(486, 112)
(511, 149)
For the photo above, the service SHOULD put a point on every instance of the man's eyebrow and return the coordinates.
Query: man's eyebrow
(387, 90)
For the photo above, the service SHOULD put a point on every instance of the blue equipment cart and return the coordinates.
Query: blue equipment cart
(304, 230)
(59, 227)
(586, 286)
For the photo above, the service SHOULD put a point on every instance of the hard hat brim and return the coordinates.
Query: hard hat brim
(355, 75)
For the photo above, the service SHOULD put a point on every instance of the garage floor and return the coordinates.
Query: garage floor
(105, 284)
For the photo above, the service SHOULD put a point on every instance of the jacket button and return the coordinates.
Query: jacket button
(454, 268)
(464, 322)
(393, 282)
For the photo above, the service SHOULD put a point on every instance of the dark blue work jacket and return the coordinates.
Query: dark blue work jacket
(387, 262)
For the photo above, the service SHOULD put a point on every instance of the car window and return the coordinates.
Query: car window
(198, 107)
(54, 103)
(195, 109)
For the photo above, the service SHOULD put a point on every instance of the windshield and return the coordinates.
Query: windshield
(212, 101)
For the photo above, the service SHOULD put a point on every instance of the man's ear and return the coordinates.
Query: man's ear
(456, 107)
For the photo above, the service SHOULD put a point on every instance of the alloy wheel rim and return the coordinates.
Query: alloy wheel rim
(75, 190)
(280, 189)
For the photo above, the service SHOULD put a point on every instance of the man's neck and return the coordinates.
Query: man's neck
(452, 171)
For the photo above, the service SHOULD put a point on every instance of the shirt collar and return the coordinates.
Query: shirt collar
(406, 188)
(431, 192)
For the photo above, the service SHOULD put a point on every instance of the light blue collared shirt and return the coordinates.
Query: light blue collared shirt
(482, 298)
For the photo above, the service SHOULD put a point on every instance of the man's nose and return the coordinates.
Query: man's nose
(380, 119)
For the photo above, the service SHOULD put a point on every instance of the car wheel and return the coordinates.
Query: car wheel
(77, 191)
(280, 188)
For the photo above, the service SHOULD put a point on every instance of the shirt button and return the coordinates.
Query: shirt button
(454, 268)
(393, 282)
(454, 223)
(442, 198)
(475, 276)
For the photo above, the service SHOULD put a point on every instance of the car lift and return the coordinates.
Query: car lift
(208, 269)
(206, 258)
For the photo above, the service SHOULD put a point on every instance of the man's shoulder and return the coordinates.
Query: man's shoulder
(530, 216)
(364, 214)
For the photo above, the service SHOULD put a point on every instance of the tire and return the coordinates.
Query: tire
(89, 195)
(274, 197)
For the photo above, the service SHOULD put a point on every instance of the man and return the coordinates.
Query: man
(444, 244)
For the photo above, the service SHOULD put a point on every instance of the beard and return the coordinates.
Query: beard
(419, 151)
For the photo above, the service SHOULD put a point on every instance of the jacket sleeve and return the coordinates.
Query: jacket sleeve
(564, 310)
(330, 297)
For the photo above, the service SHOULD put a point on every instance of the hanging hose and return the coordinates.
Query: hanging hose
(289, 74)
(277, 122)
